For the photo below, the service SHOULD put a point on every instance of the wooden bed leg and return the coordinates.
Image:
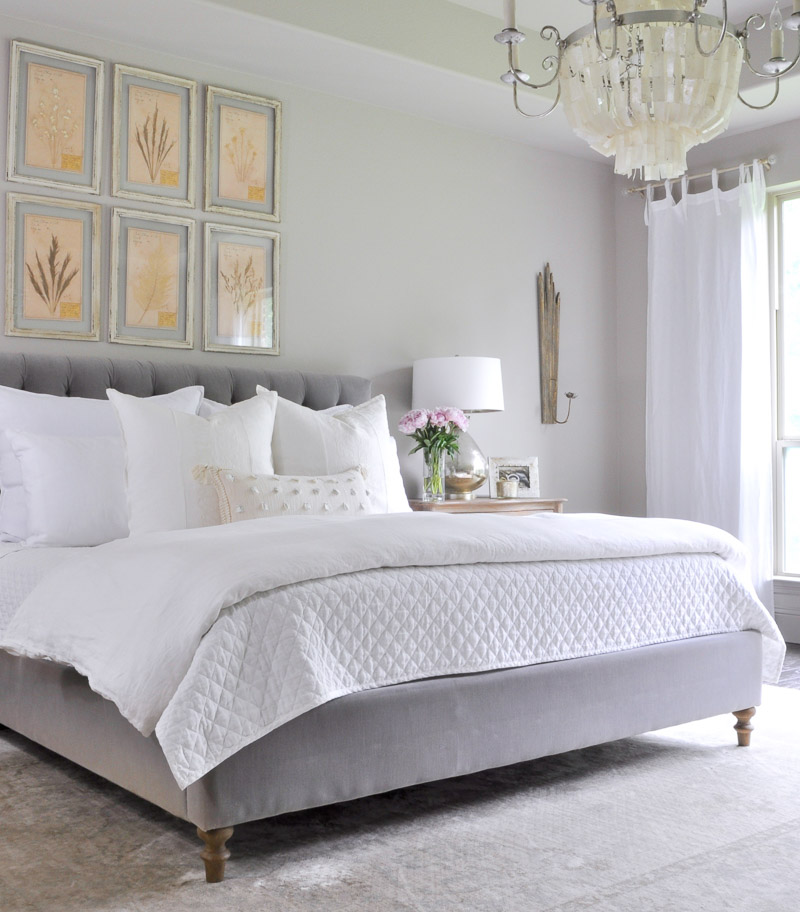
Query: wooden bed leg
(214, 853)
(743, 726)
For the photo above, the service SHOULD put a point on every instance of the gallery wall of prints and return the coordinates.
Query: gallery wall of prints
(55, 228)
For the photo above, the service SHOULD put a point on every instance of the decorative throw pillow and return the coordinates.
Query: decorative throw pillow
(74, 488)
(163, 446)
(261, 496)
(57, 416)
(306, 442)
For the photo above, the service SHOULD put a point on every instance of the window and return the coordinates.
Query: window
(786, 290)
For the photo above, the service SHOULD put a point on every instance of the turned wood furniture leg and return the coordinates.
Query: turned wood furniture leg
(214, 853)
(743, 726)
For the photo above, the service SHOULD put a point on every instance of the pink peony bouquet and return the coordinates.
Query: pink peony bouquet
(435, 430)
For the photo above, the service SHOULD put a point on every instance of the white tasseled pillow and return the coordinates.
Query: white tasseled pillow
(260, 496)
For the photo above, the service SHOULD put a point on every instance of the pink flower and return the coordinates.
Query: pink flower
(413, 421)
(438, 418)
(457, 417)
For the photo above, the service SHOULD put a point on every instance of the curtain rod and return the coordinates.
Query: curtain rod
(767, 162)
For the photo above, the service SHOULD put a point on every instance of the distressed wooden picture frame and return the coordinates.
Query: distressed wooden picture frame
(55, 117)
(241, 290)
(243, 150)
(152, 279)
(153, 137)
(525, 469)
(52, 268)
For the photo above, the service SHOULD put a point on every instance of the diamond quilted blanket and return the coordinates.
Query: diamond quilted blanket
(214, 637)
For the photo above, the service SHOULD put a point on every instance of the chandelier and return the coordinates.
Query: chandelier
(647, 80)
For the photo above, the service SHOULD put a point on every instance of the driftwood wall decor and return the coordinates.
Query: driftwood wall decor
(549, 338)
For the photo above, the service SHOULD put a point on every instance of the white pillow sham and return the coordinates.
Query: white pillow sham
(61, 416)
(163, 446)
(243, 497)
(74, 488)
(306, 442)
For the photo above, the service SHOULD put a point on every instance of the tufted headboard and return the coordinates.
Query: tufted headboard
(91, 377)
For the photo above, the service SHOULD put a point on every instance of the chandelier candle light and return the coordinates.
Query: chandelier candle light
(647, 80)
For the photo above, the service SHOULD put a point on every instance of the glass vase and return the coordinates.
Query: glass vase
(433, 475)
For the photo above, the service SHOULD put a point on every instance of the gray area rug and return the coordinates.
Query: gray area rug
(677, 820)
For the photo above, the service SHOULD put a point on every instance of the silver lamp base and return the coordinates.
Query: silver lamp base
(466, 471)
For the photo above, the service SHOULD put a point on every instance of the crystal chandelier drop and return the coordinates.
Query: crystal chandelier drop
(646, 80)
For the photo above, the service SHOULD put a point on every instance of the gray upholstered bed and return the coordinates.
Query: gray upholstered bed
(376, 740)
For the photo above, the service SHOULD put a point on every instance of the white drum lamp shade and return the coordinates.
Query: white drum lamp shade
(471, 384)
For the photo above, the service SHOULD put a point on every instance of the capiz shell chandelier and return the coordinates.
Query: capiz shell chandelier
(647, 80)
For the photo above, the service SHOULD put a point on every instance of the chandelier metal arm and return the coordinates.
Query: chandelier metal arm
(757, 22)
(769, 103)
(698, 5)
(611, 7)
(543, 113)
(551, 62)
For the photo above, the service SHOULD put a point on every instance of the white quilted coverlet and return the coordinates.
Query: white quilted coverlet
(216, 636)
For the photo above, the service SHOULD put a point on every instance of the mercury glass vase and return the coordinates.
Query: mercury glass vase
(433, 475)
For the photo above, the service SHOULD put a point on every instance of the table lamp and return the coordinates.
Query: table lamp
(473, 385)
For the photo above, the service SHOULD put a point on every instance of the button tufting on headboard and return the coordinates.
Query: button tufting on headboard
(91, 377)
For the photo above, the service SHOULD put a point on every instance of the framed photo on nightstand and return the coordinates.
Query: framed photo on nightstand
(522, 469)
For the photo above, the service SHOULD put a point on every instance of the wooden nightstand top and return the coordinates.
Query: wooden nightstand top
(519, 506)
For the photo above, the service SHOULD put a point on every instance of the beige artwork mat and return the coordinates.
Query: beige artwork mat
(53, 254)
(55, 118)
(153, 273)
(154, 133)
(241, 287)
(243, 158)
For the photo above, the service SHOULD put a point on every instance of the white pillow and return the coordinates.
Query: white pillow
(209, 407)
(163, 446)
(306, 442)
(243, 497)
(62, 416)
(73, 487)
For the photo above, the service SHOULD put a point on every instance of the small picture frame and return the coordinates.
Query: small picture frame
(243, 150)
(523, 469)
(52, 268)
(240, 290)
(54, 118)
(154, 129)
(152, 279)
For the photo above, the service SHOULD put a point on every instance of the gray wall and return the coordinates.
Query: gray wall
(404, 238)
(631, 281)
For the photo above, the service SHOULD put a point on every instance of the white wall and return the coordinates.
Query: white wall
(404, 238)
(631, 264)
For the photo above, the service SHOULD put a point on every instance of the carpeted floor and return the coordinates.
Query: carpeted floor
(679, 820)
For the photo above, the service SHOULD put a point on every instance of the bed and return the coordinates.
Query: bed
(403, 732)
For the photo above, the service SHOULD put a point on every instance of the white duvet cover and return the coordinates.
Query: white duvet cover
(314, 608)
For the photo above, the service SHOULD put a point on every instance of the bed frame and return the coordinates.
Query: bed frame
(377, 740)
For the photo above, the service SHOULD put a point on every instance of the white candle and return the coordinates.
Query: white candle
(776, 24)
(509, 13)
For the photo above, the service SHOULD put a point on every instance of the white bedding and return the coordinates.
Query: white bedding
(308, 615)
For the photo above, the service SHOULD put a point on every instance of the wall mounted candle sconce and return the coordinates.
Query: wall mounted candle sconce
(549, 338)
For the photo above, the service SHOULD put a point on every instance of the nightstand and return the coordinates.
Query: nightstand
(516, 506)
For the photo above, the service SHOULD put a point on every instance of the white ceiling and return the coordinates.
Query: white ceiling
(432, 58)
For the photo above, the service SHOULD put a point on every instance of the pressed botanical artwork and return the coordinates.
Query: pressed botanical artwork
(153, 274)
(244, 303)
(154, 129)
(55, 118)
(53, 253)
(243, 137)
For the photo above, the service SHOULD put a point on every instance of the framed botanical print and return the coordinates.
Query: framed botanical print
(52, 268)
(152, 279)
(243, 148)
(240, 294)
(154, 128)
(54, 118)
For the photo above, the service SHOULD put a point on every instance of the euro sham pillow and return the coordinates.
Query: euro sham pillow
(57, 416)
(74, 488)
(306, 442)
(162, 448)
(241, 497)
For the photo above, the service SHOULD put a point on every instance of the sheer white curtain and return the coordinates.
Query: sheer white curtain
(709, 454)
